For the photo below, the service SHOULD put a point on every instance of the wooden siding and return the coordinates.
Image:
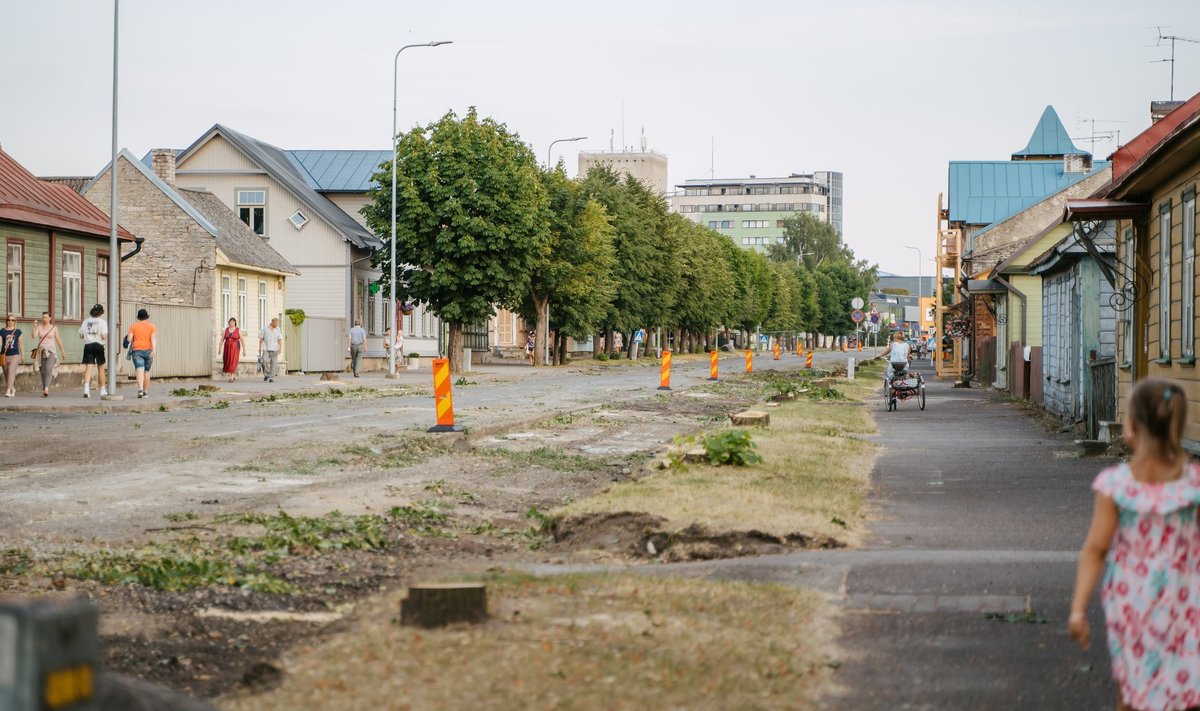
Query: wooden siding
(184, 346)
(320, 291)
(1031, 286)
(216, 154)
(351, 203)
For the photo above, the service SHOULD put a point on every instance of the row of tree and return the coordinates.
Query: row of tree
(479, 226)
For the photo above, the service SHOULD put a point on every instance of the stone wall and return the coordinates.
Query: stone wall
(164, 272)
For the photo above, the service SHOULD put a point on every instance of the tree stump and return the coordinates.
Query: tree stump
(751, 418)
(438, 604)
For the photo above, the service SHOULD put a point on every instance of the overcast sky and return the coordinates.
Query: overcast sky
(886, 92)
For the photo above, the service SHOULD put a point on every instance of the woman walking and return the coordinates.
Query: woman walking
(10, 338)
(47, 351)
(143, 343)
(231, 349)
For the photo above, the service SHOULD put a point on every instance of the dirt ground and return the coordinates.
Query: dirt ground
(249, 543)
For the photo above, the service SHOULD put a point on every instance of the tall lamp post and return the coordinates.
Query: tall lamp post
(546, 317)
(920, 285)
(392, 321)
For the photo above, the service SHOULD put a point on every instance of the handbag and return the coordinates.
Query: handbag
(258, 368)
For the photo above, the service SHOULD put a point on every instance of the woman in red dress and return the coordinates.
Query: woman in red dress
(231, 349)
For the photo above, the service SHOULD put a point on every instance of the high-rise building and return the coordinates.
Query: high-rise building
(751, 210)
(648, 166)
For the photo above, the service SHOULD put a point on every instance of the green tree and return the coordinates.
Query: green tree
(705, 284)
(810, 241)
(469, 208)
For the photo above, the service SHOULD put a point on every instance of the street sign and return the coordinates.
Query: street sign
(856, 302)
(857, 315)
(639, 336)
(874, 316)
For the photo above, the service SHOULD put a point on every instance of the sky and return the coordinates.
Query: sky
(885, 92)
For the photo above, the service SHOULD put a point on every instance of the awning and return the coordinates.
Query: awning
(985, 286)
(1086, 209)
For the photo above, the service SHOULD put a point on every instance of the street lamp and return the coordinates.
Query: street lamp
(546, 319)
(392, 318)
(920, 284)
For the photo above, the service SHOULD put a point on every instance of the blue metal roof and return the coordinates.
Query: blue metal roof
(1049, 138)
(983, 192)
(338, 171)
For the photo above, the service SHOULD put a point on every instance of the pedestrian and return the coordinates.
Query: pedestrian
(94, 332)
(270, 340)
(143, 344)
(10, 335)
(231, 349)
(529, 349)
(358, 341)
(397, 342)
(898, 353)
(1145, 539)
(47, 350)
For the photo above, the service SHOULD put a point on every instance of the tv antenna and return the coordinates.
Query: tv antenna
(1101, 135)
(1173, 39)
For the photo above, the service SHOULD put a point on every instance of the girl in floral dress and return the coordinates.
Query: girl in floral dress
(1145, 538)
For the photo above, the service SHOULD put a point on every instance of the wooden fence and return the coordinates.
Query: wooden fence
(185, 338)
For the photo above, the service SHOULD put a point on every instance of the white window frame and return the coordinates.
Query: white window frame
(262, 304)
(298, 220)
(242, 301)
(15, 281)
(1187, 291)
(248, 200)
(72, 284)
(226, 300)
(1164, 281)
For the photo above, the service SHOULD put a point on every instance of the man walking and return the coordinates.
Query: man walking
(358, 340)
(270, 340)
(94, 332)
(143, 344)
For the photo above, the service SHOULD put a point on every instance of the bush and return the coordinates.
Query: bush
(600, 357)
(731, 447)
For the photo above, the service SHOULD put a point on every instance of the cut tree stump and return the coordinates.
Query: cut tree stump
(439, 604)
(752, 418)
(695, 456)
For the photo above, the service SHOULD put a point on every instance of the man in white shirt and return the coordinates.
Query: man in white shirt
(94, 332)
(270, 342)
(358, 340)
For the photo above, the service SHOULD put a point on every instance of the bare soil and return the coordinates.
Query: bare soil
(217, 639)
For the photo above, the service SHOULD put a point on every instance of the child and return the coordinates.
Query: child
(1144, 530)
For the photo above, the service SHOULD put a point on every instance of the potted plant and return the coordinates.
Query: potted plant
(414, 360)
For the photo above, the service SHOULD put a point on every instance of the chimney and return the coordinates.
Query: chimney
(162, 161)
(1077, 163)
(1159, 109)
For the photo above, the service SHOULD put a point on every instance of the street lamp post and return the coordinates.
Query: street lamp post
(392, 320)
(920, 284)
(546, 316)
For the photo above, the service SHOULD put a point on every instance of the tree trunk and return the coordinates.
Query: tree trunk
(541, 307)
(562, 350)
(454, 347)
(609, 347)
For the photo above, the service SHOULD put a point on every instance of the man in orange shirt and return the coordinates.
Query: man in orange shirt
(143, 342)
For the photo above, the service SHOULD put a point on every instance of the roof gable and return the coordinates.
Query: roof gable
(1049, 139)
(27, 200)
(280, 167)
(235, 239)
(167, 190)
(1034, 247)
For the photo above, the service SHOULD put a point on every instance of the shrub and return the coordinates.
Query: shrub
(601, 357)
(731, 447)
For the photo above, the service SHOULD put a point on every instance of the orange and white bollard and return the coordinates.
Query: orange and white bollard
(442, 398)
(860, 345)
(845, 347)
(712, 366)
(808, 360)
(664, 376)
(799, 349)
(749, 361)
(775, 350)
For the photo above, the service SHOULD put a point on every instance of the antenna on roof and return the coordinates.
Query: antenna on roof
(1173, 39)
(1104, 135)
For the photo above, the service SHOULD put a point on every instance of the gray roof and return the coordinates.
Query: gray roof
(234, 237)
(282, 168)
(339, 171)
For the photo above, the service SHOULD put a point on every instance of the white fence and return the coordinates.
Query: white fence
(317, 345)
(184, 338)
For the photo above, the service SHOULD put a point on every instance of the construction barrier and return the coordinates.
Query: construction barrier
(749, 360)
(808, 360)
(442, 398)
(664, 377)
(712, 366)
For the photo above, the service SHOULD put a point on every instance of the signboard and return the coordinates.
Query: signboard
(639, 336)
(856, 302)
(857, 315)
(764, 339)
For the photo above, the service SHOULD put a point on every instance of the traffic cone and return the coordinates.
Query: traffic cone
(664, 376)
(808, 361)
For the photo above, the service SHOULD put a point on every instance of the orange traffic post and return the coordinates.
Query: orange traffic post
(664, 376)
(776, 350)
(799, 349)
(442, 398)
(844, 346)
(808, 360)
(860, 345)
(712, 366)
(749, 360)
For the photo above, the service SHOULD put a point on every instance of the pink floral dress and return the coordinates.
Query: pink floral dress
(1151, 589)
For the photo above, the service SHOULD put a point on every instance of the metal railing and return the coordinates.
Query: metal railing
(1102, 394)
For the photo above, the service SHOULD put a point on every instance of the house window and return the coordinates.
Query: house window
(1126, 303)
(226, 301)
(262, 304)
(298, 219)
(1187, 292)
(360, 299)
(102, 280)
(1164, 281)
(712, 224)
(252, 209)
(16, 278)
(241, 300)
(72, 285)
(372, 313)
(726, 224)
